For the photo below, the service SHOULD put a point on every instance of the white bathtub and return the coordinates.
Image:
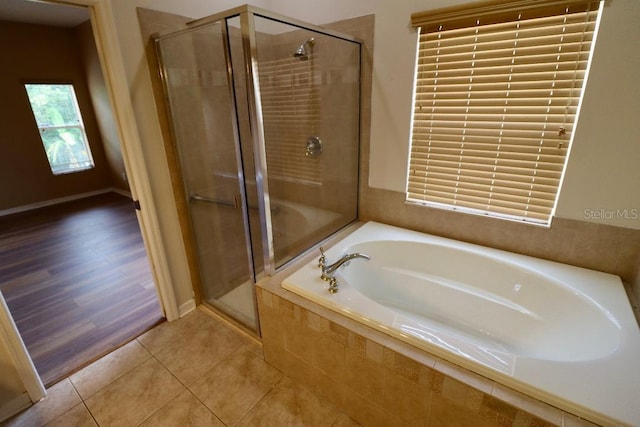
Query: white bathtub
(562, 334)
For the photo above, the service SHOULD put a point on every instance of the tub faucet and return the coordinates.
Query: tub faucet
(328, 271)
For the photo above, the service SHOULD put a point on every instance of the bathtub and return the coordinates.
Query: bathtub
(561, 334)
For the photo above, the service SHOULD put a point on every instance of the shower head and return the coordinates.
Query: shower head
(301, 51)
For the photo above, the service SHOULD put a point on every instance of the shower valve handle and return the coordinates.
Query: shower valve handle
(322, 261)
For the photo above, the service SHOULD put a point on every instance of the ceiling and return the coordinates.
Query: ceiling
(35, 12)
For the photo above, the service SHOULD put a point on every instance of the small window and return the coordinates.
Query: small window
(497, 95)
(58, 118)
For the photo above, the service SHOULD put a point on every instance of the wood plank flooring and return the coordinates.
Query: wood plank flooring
(77, 281)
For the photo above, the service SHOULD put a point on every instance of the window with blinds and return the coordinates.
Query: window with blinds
(497, 93)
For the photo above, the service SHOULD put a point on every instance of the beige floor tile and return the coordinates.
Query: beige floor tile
(184, 411)
(60, 398)
(134, 396)
(210, 343)
(78, 416)
(344, 421)
(289, 404)
(168, 333)
(104, 371)
(235, 385)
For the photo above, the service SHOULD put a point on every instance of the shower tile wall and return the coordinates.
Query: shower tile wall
(322, 101)
(300, 99)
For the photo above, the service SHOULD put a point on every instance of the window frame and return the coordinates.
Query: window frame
(58, 169)
(466, 17)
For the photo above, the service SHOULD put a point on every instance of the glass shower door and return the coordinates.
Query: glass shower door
(310, 102)
(204, 126)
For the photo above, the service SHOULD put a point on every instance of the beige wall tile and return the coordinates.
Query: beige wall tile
(539, 409)
(445, 413)
(405, 399)
(370, 414)
(364, 377)
(401, 365)
(300, 340)
(328, 357)
(465, 376)
(569, 420)
(318, 382)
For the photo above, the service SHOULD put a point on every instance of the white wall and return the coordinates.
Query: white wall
(603, 172)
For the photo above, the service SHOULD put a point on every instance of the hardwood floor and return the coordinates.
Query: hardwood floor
(77, 281)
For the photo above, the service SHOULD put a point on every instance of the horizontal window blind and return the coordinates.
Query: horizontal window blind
(495, 107)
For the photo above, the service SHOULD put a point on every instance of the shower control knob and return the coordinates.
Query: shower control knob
(314, 146)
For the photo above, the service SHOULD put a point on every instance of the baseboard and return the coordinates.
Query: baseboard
(13, 406)
(122, 192)
(187, 307)
(60, 200)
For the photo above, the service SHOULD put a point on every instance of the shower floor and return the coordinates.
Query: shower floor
(239, 303)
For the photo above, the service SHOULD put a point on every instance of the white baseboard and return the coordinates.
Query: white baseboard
(187, 307)
(60, 200)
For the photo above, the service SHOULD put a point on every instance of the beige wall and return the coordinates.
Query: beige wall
(40, 53)
(102, 107)
(602, 174)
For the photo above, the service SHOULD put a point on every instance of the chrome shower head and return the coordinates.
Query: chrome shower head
(301, 51)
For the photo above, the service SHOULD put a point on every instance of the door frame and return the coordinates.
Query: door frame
(11, 339)
(107, 45)
(105, 36)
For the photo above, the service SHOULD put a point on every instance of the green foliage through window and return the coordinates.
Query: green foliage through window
(58, 118)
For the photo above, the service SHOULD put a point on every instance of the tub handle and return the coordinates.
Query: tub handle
(322, 261)
(328, 271)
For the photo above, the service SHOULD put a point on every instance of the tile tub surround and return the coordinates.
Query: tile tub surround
(378, 380)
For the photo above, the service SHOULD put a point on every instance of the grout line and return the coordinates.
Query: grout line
(90, 413)
(261, 399)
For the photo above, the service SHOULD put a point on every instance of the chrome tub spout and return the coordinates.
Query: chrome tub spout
(328, 271)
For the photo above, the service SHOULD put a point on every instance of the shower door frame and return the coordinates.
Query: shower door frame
(247, 14)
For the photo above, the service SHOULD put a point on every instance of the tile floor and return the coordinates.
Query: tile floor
(193, 372)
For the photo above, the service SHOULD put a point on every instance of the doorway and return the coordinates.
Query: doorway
(77, 281)
(73, 262)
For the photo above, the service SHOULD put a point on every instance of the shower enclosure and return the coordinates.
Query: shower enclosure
(264, 112)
